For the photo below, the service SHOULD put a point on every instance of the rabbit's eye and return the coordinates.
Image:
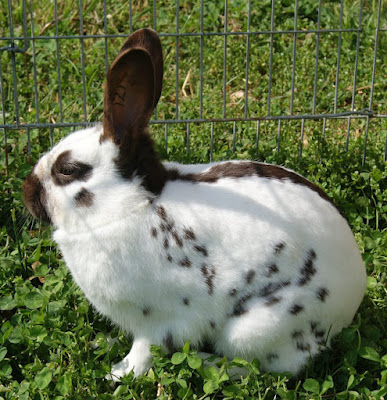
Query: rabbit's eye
(68, 169)
(65, 171)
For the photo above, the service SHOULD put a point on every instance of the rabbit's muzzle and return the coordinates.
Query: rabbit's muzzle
(35, 198)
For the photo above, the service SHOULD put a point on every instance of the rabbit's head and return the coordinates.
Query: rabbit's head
(95, 173)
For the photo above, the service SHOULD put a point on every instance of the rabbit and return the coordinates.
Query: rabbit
(249, 257)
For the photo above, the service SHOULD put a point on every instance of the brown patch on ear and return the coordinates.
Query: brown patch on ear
(35, 198)
(129, 95)
(133, 85)
(133, 88)
(149, 40)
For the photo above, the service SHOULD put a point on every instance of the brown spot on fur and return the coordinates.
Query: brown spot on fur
(272, 288)
(272, 269)
(186, 301)
(322, 294)
(296, 309)
(146, 311)
(279, 247)
(319, 334)
(169, 258)
(168, 343)
(308, 270)
(189, 234)
(185, 262)
(84, 198)
(35, 198)
(169, 226)
(233, 292)
(271, 356)
(239, 307)
(250, 276)
(177, 239)
(297, 334)
(160, 210)
(165, 243)
(212, 324)
(249, 168)
(209, 274)
(303, 346)
(272, 300)
(201, 249)
(154, 232)
(64, 171)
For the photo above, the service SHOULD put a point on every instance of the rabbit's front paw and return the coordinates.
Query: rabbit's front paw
(138, 360)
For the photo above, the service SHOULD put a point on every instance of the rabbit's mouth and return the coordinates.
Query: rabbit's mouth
(35, 198)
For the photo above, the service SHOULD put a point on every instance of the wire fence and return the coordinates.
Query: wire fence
(27, 40)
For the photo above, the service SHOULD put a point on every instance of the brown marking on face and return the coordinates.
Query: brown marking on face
(244, 169)
(250, 276)
(35, 198)
(84, 198)
(64, 171)
(296, 309)
(185, 262)
(189, 234)
(271, 269)
(201, 249)
(322, 294)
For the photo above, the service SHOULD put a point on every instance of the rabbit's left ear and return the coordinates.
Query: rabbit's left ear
(133, 86)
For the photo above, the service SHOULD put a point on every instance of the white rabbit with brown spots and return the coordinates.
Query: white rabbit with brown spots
(249, 257)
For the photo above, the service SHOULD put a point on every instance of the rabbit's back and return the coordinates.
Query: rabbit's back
(276, 261)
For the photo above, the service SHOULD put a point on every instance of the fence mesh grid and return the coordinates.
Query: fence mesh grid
(50, 78)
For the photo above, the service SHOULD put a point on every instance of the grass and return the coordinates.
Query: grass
(52, 344)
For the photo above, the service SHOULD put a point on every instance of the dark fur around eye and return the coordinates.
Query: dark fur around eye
(64, 171)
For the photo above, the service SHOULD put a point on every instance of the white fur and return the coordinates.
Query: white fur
(123, 269)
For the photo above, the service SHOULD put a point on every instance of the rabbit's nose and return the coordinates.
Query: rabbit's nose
(35, 198)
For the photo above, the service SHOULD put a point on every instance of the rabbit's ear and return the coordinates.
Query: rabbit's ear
(133, 85)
